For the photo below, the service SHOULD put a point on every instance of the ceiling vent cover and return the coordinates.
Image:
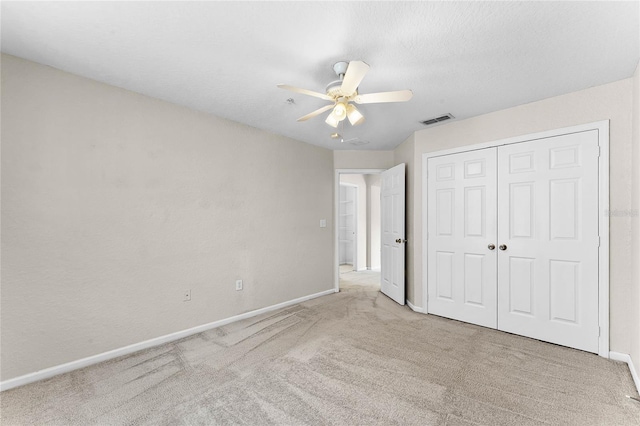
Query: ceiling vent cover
(437, 119)
(355, 141)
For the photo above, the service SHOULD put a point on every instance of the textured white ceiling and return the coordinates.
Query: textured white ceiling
(225, 58)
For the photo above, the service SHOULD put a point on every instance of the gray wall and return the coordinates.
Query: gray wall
(113, 203)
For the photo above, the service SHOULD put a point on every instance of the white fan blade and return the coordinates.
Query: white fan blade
(373, 98)
(305, 92)
(354, 75)
(316, 112)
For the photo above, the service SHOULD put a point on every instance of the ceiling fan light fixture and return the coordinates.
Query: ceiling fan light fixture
(340, 111)
(354, 116)
(331, 121)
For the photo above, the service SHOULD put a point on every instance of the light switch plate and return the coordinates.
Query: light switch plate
(323, 223)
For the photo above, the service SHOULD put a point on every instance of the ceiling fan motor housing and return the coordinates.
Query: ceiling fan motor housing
(334, 89)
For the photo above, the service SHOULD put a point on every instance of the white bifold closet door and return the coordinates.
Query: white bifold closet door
(513, 238)
(548, 224)
(462, 272)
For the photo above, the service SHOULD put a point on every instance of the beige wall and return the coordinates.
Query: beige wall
(362, 159)
(611, 101)
(113, 203)
(634, 323)
(405, 153)
(373, 221)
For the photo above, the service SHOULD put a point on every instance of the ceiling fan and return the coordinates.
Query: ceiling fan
(343, 91)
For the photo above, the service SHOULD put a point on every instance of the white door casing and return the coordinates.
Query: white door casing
(462, 280)
(548, 223)
(392, 233)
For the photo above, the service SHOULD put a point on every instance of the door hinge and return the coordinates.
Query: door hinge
(599, 150)
(598, 240)
(599, 331)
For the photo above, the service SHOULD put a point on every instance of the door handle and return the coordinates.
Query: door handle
(491, 246)
(502, 247)
(400, 241)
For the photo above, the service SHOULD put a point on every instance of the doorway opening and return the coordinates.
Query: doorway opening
(348, 227)
(358, 225)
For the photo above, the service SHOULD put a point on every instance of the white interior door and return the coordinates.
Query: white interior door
(548, 238)
(393, 238)
(461, 253)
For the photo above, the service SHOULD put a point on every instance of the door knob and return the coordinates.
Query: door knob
(398, 241)
(502, 247)
(491, 246)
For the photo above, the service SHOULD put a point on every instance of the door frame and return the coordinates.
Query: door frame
(603, 206)
(336, 218)
(355, 225)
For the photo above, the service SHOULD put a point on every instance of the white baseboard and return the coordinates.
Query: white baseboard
(126, 350)
(617, 356)
(415, 308)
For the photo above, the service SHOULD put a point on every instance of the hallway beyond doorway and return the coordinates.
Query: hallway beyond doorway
(351, 280)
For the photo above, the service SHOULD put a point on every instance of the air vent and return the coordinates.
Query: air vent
(354, 141)
(437, 119)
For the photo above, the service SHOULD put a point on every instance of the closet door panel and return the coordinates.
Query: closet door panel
(461, 268)
(548, 224)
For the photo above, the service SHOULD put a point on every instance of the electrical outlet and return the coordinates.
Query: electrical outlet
(186, 296)
(238, 285)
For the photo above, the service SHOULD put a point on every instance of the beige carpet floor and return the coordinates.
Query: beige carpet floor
(346, 268)
(352, 358)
